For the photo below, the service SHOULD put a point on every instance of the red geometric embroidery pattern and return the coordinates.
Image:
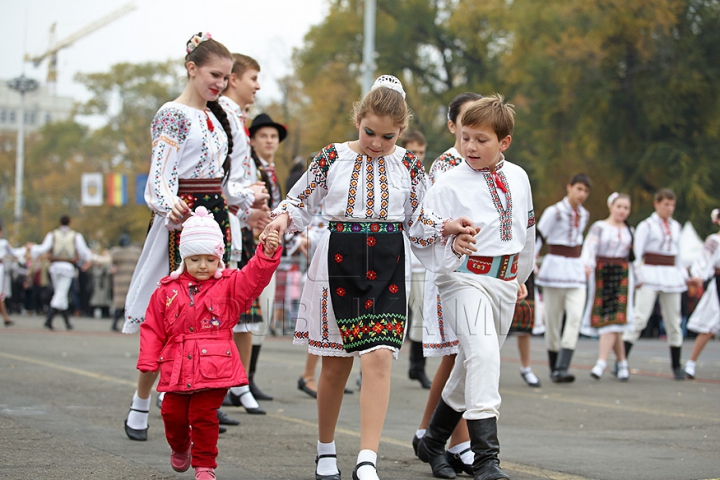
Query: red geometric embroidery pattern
(505, 214)
(352, 192)
(369, 188)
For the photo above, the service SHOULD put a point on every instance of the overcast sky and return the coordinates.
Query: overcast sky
(156, 30)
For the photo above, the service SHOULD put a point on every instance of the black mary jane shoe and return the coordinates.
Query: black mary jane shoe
(222, 429)
(302, 385)
(415, 443)
(334, 476)
(226, 419)
(455, 461)
(139, 435)
(361, 464)
(252, 411)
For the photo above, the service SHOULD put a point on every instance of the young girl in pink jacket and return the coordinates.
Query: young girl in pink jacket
(187, 336)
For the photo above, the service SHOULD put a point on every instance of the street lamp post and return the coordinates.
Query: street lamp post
(368, 63)
(23, 85)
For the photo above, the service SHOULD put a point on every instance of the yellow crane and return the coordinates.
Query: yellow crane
(55, 47)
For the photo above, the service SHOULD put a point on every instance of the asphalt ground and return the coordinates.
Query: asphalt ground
(64, 397)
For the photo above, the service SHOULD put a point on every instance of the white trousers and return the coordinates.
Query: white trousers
(571, 302)
(644, 306)
(61, 274)
(482, 314)
(415, 306)
(267, 307)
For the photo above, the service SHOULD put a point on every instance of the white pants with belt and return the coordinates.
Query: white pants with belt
(644, 306)
(571, 302)
(482, 314)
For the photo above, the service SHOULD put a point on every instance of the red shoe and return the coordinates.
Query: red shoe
(180, 462)
(204, 473)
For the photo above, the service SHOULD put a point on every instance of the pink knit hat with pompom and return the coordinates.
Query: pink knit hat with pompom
(201, 235)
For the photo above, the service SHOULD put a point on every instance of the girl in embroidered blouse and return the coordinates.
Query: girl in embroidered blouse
(355, 299)
(191, 146)
(606, 255)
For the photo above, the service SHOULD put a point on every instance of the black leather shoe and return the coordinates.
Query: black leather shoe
(48, 325)
(415, 443)
(251, 411)
(361, 464)
(226, 419)
(222, 429)
(232, 400)
(455, 461)
(678, 373)
(347, 391)
(302, 385)
(139, 435)
(334, 476)
(258, 394)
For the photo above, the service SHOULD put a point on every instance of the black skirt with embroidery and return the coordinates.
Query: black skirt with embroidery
(366, 268)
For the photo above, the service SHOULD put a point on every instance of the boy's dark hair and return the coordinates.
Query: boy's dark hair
(580, 178)
(65, 220)
(457, 103)
(665, 194)
(412, 136)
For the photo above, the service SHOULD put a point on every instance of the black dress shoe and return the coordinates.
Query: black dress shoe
(232, 400)
(455, 461)
(361, 464)
(257, 393)
(347, 391)
(139, 435)
(222, 429)
(302, 385)
(334, 476)
(225, 419)
(678, 373)
(415, 443)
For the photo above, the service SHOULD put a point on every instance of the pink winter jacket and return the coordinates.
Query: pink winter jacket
(187, 332)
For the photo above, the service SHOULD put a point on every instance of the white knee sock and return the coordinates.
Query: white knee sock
(327, 465)
(467, 457)
(246, 398)
(138, 420)
(420, 433)
(367, 472)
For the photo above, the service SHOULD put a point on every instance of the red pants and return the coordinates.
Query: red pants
(192, 419)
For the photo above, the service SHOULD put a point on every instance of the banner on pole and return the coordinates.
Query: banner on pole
(91, 194)
(116, 189)
(140, 185)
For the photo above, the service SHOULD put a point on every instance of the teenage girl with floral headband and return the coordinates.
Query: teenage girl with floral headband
(191, 146)
(356, 293)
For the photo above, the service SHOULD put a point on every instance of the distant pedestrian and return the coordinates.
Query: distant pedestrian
(7, 251)
(124, 259)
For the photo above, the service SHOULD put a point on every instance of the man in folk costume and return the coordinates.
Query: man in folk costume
(67, 247)
(562, 274)
(659, 274)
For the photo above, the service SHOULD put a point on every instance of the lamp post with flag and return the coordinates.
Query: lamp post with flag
(23, 85)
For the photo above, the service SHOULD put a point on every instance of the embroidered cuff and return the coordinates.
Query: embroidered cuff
(451, 240)
(442, 228)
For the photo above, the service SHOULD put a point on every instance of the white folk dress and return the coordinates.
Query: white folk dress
(17, 254)
(706, 316)
(340, 179)
(655, 236)
(560, 224)
(605, 240)
(183, 147)
(438, 340)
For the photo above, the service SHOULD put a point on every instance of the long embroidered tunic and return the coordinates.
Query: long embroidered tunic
(352, 188)
(8, 251)
(560, 224)
(605, 240)
(657, 236)
(438, 340)
(706, 316)
(187, 143)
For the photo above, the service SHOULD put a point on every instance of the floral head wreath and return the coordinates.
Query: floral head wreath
(611, 199)
(715, 214)
(196, 40)
(389, 81)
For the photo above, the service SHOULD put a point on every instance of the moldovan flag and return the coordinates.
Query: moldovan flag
(116, 189)
(91, 194)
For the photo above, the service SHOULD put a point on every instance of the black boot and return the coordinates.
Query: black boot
(552, 361)
(417, 365)
(257, 393)
(431, 448)
(49, 319)
(119, 313)
(485, 445)
(561, 375)
(66, 317)
(675, 363)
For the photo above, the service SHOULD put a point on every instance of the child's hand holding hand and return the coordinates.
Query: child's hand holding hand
(270, 241)
(460, 226)
(463, 244)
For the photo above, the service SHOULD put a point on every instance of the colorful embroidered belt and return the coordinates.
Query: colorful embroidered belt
(365, 227)
(657, 259)
(504, 267)
(565, 251)
(200, 185)
(233, 209)
(612, 260)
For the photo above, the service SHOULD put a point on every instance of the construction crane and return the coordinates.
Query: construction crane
(55, 47)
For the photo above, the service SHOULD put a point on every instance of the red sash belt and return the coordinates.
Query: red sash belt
(565, 251)
(657, 259)
(200, 185)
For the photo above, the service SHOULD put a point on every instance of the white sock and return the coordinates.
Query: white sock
(601, 364)
(690, 363)
(138, 420)
(328, 465)
(246, 398)
(467, 457)
(623, 364)
(420, 433)
(367, 472)
(525, 369)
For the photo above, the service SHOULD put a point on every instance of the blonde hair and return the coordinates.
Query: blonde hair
(383, 102)
(243, 63)
(493, 112)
